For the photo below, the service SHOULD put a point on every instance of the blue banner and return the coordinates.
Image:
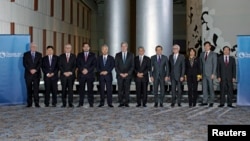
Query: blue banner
(12, 83)
(243, 55)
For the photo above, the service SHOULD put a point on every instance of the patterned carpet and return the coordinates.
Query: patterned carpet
(115, 124)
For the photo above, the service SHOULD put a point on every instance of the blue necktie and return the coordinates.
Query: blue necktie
(33, 56)
(124, 58)
(104, 60)
(159, 59)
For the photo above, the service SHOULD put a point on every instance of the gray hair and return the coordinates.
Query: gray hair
(124, 43)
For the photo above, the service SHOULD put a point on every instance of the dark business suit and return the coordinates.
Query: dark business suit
(124, 83)
(89, 78)
(208, 67)
(142, 83)
(177, 70)
(67, 82)
(191, 73)
(226, 72)
(50, 82)
(32, 80)
(159, 70)
(105, 80)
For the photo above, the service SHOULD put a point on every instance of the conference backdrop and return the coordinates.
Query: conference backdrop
(12, 83)
(243, 54)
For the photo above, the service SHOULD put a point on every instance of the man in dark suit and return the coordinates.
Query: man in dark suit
(32, 61)
(142, 68)
(177, 71)
(50, 70)
(124, 66)
(105, 65)
(86, 64)
(159, 74)
(208, 69)
(226, 75)
(67, 66)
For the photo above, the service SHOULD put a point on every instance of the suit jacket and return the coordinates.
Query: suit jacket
(126, 67)
(29, 64)
(90, 65)
(226, 72)
(159, 70)
(53, 68)
(65, 66)
(209, 66)
(143, 68)
(192, 70)
(109, 66)
(177, 69)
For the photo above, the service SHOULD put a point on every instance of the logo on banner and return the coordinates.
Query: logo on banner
(10, 55)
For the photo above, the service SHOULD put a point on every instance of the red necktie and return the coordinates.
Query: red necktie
(67, 56)
(226, 61)
(86, 56)
(206, 57)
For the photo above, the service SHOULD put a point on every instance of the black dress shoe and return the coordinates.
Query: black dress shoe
(203, 104)
(101, 105)
(91, 105)
(79, 105)
(120, 105)
(29, 106)
(63, 106)
(144, 105)
(231, 106)
(211, 105)
(156, 105)
(37, 106)
(46, 105)
(221, 105)
(71, 105)
(126, 105)
(138, 105)
(194, 105)
(161, 105)
(110, 105)
(179, 105)
(172, 105)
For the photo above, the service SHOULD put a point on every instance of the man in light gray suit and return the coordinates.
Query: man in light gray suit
(177, 71)
(159, 72)
(208, 66)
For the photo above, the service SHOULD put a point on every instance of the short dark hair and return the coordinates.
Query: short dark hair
(226, 47)
(48, 47)
(207, 42)
(84, 43)
(140, 48)
(191, 49)
(158, 46)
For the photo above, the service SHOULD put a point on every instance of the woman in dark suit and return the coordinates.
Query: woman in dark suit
(192, 73)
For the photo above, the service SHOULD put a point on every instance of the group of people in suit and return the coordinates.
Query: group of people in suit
(158, 69)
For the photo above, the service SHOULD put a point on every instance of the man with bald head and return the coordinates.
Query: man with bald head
(32, 61)
(177, 71)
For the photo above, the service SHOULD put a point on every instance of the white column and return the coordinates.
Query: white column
(117, 24)
(154, 25)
